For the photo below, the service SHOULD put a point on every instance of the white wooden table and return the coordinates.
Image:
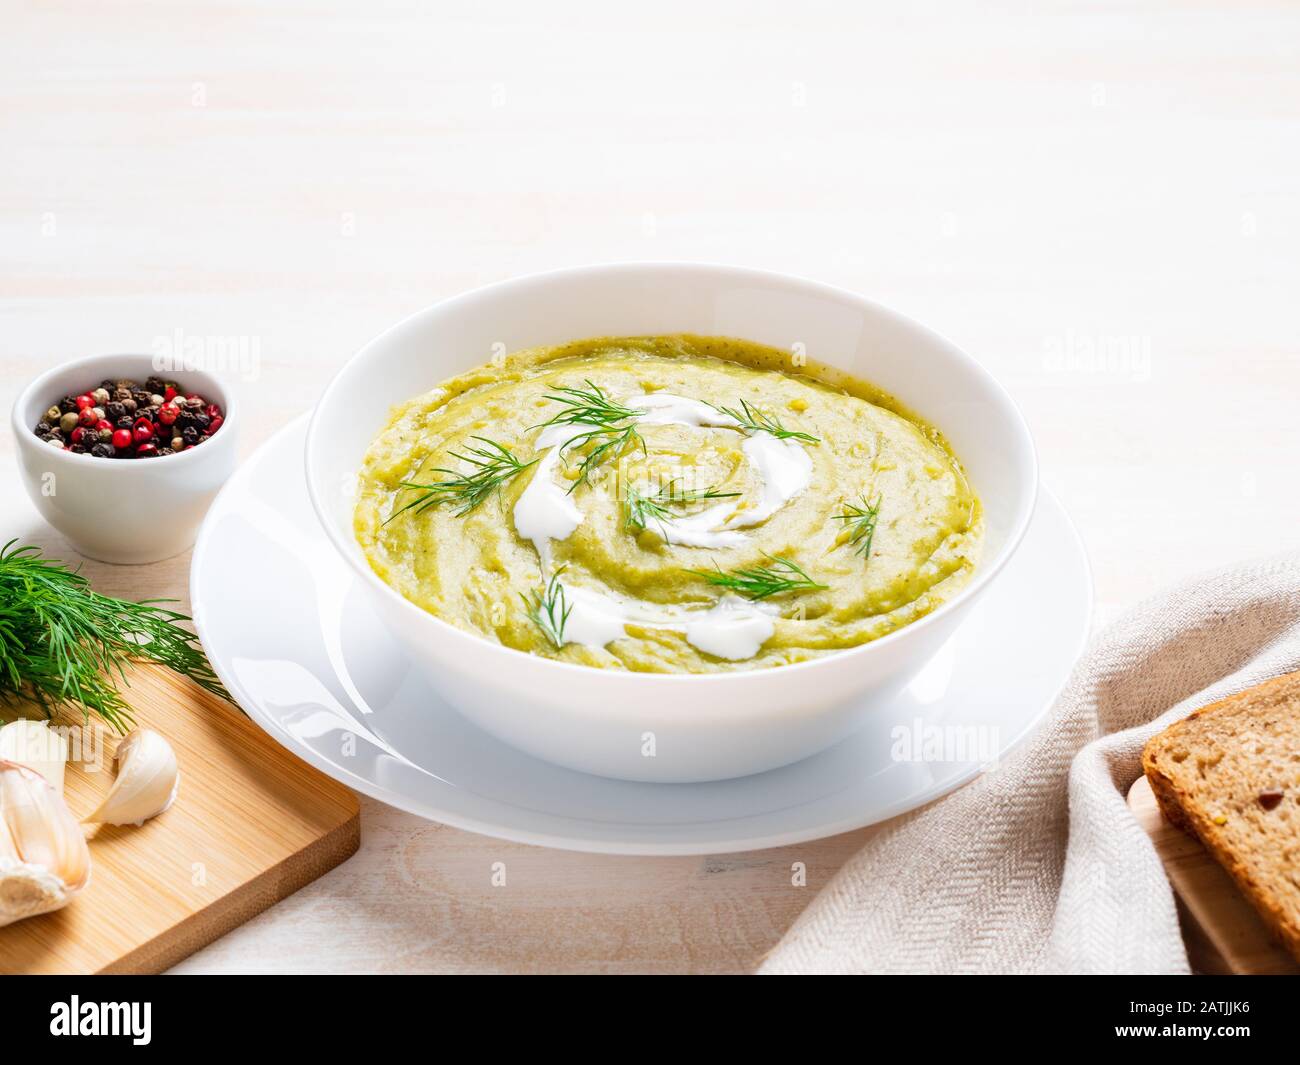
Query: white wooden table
(1098, 200)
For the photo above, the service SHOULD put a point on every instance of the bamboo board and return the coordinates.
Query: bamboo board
(251, 824)
(1222, 932)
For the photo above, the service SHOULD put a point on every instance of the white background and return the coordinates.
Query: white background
(1098, 200)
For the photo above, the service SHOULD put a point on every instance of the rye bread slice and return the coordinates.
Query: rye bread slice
(1229, 774)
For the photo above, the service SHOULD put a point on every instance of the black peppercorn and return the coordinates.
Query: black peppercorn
(78, 449)
(43, 429)
(103, 451)
(114, 411)
(68, 404)
(154, 383)
(201, 422)
(190, 435)
(124, 422)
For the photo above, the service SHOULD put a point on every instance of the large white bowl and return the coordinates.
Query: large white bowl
(657, 727)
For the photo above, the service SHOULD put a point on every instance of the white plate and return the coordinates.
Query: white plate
(291, 635)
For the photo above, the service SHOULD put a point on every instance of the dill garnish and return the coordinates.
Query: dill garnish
(754, 420)
(640, 507)
(861, 523)
(588, 406)
(549, 610)
(64, 645)
(760, 582)
(492, 465)
(613, 427)
(610, 444)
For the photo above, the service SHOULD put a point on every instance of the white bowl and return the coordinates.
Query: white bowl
(663, 727)
(122, 510)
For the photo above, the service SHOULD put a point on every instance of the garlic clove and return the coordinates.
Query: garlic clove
(147, 780)
(35, 745)
(44, 860)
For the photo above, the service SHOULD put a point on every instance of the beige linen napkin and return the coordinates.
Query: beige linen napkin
(984, 881)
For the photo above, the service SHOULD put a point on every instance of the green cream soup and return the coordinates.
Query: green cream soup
(675, 504)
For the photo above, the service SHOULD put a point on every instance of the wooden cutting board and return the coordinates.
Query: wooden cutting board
(1222, 932)
(251, 824)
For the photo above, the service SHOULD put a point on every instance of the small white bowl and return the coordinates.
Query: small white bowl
(123, 510)
(663, 727)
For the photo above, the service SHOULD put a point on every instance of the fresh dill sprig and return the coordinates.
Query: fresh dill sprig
(588, 406)
(755, 420)
(64, 645)
(641, 507)
(610, 444)
(860, 520)
(491, 466)
(549, 610)
(613, 427)
(760, 582)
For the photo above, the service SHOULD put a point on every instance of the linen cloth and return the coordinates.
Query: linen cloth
(1038, 866)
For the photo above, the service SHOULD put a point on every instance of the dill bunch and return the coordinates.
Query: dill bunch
(64, 645)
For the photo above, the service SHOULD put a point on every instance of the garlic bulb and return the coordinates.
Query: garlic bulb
(33, 744)
(43, 856)
(147, 780)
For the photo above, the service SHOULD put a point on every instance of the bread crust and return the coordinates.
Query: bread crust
(1183, 807)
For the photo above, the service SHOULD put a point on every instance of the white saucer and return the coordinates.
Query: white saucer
(297, 645)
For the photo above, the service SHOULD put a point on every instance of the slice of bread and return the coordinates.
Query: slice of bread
(1229, 774)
